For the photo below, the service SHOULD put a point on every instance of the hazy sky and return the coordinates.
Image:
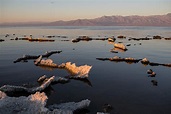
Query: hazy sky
(54, 10)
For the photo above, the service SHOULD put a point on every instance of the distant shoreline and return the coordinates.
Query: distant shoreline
(135, 20)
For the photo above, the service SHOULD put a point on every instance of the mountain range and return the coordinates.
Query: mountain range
(134, 20)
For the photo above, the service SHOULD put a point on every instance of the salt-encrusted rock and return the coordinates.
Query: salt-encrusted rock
(28, 57)
(56, 79)
(35, 104)
(116, 58)
(111, 39)
(121, 36)
(45, 62)
(151, 73)
(78, 71)
(157, 37)
(145, 61)
(2, 95)
(120, 45)
(168, 65)
(11, 88)
(71, 106)
(102, 113)
(42, 78)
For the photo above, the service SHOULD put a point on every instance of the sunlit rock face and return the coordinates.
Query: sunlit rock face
(120, 46)
(35, 104)
(78, 71)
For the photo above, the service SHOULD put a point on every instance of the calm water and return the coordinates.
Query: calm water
(126, 87)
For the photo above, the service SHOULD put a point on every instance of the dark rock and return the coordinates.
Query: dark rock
(157, 37)
(121, 36)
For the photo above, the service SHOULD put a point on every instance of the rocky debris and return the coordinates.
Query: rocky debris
(86, 38)
(40, 40)
(80, 73)
(35, 104)
(155, 64)
(157, 37)
(111, 39)
(167, 38)
(120, 46)
(102, 59)
(151, 73)
(107, 108)
(118, 49)
(121, 36)
(145, 61)
(113, 51)
(137, 39)
(45, 62)
(14, 89)
(154, 82)
(128, 45)
(71, 106)
(45, 83)
(2, 95)
(119, 59)
(168, 65)
(50, 36)
(56, 79)
(102, 113)
(130, 60)
(28, 57)
(1, 40)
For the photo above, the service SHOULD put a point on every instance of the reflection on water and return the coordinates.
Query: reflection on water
(123, 86)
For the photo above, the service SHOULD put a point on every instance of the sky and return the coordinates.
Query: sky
(55, 10)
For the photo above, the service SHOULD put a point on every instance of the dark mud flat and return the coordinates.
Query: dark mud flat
(111, 86)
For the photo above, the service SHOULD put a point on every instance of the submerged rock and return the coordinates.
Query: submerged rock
(154, 82)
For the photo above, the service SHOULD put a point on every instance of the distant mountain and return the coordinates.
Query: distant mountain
(135, 20)
(154, 20)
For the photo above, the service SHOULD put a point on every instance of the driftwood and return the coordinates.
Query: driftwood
(28, 57)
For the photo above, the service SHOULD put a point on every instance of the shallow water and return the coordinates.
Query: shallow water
(126, 87)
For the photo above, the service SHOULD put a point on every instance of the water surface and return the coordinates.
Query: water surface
(126, 87)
